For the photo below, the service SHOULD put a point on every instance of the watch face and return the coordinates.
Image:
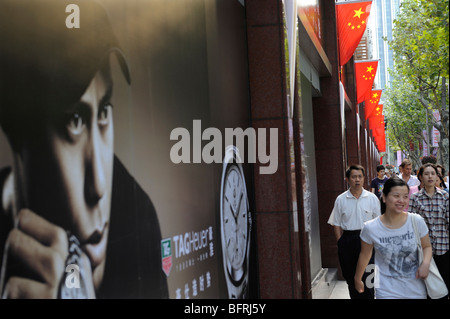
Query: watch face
(234, 221)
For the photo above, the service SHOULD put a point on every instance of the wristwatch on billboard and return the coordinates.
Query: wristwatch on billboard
(235, 225)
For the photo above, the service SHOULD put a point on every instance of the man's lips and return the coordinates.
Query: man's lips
(95, 246)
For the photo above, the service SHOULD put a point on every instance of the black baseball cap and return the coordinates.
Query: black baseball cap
(45, 64)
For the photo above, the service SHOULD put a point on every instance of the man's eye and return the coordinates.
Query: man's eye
(76, 124)
(104, 114)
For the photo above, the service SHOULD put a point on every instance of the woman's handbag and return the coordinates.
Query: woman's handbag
(434, 283)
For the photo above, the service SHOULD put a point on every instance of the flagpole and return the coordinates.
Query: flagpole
(364, 61)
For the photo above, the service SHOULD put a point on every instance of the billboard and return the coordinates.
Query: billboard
(96, 178)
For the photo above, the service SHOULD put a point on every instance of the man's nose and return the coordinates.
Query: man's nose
(95, 182)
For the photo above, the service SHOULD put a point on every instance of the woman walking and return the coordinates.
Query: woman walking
(398, 274)
(432, 204)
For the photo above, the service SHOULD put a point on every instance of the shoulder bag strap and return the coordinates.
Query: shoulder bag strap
(418, 241)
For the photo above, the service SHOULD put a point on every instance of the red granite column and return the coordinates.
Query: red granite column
(329, 142)
(352, 136)
(352, 128)
(276, 242)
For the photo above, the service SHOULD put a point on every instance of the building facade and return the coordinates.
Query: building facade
(325, 133)
(384, 15)
(238, 124)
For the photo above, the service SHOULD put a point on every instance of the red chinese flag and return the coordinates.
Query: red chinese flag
(365, 74)
(380, 138)
(378, 131)
(380, 141)
(378, 110)
(371, 102)
(351, 23)
(381, 147)
(376, 122)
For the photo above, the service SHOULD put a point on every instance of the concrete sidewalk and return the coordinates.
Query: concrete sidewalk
(327, 286)
(340, 290)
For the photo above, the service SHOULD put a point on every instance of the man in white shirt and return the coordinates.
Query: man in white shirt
(351, 209)
(411, 180)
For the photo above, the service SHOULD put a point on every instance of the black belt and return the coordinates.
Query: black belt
(358, 231)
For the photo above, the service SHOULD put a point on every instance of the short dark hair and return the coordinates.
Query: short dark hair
(380, 168)
(429, 159)
(354, 167)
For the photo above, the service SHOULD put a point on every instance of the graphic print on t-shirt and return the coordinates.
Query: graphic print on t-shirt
(399, 254)
(380, 188)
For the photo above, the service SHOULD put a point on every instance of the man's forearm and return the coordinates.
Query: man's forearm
(337, 232)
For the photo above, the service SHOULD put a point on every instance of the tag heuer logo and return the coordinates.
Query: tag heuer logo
(166, 255)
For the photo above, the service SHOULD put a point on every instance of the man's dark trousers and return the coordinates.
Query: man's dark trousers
(349, 247)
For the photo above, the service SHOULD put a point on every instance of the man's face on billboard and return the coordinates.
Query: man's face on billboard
(68, 177)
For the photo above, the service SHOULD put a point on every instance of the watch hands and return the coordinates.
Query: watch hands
(237, 216)
(231, 205)
(239, 207)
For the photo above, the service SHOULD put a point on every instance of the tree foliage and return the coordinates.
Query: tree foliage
(421, 68)
(406, 118)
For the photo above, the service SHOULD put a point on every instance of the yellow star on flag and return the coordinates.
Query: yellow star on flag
(369, 69)
(358, 13)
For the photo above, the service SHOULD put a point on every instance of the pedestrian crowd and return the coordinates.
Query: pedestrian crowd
(376, 230)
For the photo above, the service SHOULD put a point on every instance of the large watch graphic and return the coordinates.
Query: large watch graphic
(235, 225)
